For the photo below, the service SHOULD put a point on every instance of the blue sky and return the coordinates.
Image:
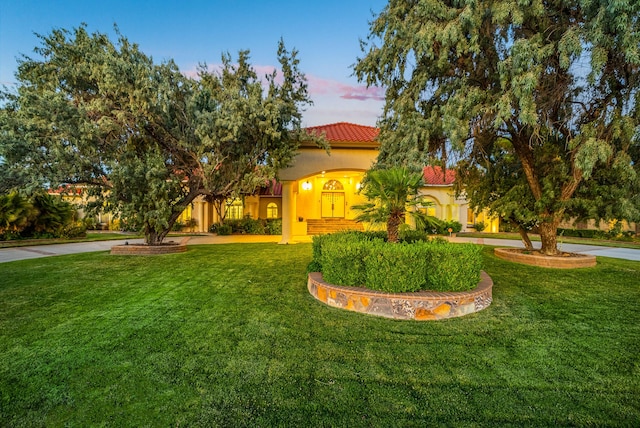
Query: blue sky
(326, 34)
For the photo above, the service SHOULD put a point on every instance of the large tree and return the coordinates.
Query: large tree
(142, 138)
(557, 80)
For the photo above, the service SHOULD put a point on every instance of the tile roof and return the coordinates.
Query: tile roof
(272, 188)
(433, 175)
(345, 131)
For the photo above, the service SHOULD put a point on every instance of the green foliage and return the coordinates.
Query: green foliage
(396, 268)
(273, 226)
(410, 235)
(144, 139)
(538, 99)
(15, 214)
(224, 229)
(41, 216)
(390, 192)
(358, 259)
(427, 223)
(453, 267)
(248, 226)
(479, 226)
(342, 258)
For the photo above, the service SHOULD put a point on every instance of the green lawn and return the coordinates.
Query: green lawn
(227, 335)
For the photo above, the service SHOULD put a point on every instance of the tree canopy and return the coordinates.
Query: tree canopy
(144, 139)
(552, 85)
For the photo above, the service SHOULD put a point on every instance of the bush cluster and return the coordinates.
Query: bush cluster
(361, 259)
(248, 226)
(39, 216)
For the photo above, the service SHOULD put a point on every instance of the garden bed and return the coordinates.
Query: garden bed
(170, 247)
(419, 306)
(536, 258)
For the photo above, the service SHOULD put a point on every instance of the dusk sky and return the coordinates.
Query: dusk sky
(326, 34)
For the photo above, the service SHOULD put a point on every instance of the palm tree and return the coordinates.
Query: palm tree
(390, 192)
(15, 212)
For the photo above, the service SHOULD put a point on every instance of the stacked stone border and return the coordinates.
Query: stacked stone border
(147, 250)
(570, 261)
(419, 306)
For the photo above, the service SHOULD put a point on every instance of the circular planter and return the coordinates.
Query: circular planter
(420, 306)
(148, 250)
(534, 258)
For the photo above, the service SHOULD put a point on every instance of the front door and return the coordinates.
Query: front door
(332, 205)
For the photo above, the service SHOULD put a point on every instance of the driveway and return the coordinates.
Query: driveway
(32, 252)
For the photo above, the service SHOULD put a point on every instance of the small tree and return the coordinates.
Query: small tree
(390, 192)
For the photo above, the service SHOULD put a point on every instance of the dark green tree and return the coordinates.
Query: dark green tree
(557, 80)
(143, 139)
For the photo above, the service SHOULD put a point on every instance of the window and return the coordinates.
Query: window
(235, 210)
(272, 210)
(333, 185)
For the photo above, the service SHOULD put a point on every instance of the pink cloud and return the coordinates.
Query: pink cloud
(320, 86)
(317, 85)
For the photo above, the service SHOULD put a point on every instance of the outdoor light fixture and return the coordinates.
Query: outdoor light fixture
(358, 185)
(306, 185)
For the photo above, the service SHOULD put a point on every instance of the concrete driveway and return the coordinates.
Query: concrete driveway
(32, 252)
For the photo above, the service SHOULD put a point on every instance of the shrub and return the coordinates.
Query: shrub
(358, 259)
(77, 229)
(342, 258)
(479, 226)
(251, 226)
(455, 226)
(273, 226)
(409, 236)
(453, 267)
(396, 268)
(224, 229)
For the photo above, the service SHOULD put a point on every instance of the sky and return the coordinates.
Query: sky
(326, 33)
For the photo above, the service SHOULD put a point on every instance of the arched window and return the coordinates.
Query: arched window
(272, 210)
(333, 185)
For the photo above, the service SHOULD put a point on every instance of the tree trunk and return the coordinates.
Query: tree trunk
(524, 236)
(393, 223)
(549, 237)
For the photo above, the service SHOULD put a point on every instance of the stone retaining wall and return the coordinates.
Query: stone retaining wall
(568, 261)
(420, 306)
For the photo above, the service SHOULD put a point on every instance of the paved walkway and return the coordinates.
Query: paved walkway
(32, 252)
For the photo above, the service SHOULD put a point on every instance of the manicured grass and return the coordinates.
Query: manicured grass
(227, 335)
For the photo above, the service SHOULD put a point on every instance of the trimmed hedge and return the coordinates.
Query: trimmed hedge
(355, 259)
(248, 226)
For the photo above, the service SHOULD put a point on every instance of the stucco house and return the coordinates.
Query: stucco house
(315, 194)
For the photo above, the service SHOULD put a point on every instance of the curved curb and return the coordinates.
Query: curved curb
(574, 261)
(147, 250)
(419, 306)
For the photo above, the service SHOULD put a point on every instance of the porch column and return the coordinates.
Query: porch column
(288, 212)
(201, 227)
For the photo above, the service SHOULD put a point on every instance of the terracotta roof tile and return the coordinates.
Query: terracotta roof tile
(433, 175)
(272, 188)
(344, 131)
